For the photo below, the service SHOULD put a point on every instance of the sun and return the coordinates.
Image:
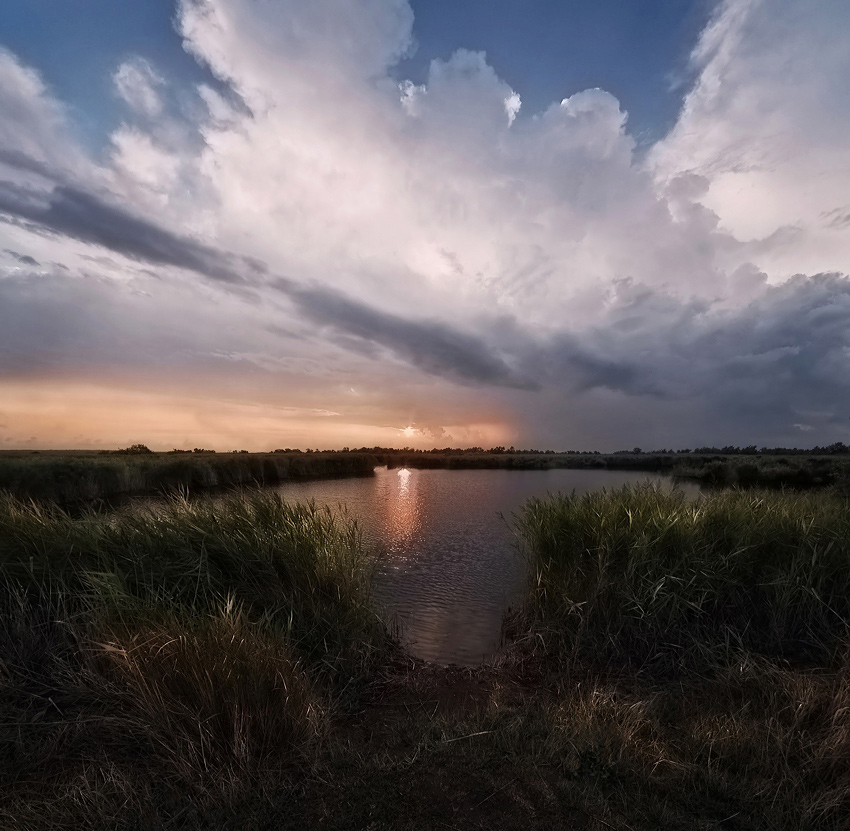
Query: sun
(409, 432)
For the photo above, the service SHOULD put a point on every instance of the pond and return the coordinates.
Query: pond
(448, 562)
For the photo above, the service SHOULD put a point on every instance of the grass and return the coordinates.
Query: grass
(699, 649)
(76, 477)
(200, 649)
(799, 472)
(651, 580)
(218, 664)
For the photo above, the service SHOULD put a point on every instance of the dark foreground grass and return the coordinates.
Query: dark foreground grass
(191, 654)
(649, 580)
(700, 649)
(676, 665)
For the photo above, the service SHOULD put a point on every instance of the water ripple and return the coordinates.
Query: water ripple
(448, 565)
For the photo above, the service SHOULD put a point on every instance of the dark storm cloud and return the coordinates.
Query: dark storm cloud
(429, 345)
(567, 362)
(84, 216)
(760, 367)
(24, 259)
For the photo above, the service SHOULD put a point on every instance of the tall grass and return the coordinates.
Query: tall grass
(699, 649)
(74, 478)
(202, 644)
(647, 579)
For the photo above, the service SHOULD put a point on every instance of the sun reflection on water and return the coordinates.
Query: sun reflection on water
(404, 514)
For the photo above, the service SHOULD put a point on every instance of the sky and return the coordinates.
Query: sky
(254, 224)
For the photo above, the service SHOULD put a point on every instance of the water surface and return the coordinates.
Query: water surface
(448, 561)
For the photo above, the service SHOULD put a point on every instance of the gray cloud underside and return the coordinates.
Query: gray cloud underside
(784, 354)
(429, 345)
(24, 259)
(86, 217)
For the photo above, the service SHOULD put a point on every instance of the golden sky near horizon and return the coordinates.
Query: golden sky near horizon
(62, 415)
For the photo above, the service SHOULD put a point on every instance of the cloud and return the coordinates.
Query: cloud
(139, 85)
(430, 346)
(84, 216)
(24, 259)
(136, 155)
(514, 279)
(34, 124)
(243, 42)
(766, 126)
(746, 372)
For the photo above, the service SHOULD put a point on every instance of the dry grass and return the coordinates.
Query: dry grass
(220, 696)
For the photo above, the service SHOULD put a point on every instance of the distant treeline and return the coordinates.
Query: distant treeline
(837, 448)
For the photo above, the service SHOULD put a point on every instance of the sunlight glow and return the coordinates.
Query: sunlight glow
(404, 512)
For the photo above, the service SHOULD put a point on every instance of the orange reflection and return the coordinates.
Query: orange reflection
(404, 515)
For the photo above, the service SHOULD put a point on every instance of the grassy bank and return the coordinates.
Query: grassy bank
(68, 477)
(649, 579)
(192, 655)
(701, 648)
(80, 476)
(676, 664)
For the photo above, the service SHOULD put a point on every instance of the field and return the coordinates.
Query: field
(219, 664)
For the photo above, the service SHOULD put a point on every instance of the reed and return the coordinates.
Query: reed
(202, 644)
(74, 478)
(648, 580)
(78, 477)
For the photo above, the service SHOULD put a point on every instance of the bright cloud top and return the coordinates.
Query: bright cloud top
(316, 237)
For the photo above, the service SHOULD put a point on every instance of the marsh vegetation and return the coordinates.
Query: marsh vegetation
(193, 650)
(76, 477)
(219, 663)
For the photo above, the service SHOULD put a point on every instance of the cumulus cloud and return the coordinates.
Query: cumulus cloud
(138, 157)
(497, 277)
(766, 126)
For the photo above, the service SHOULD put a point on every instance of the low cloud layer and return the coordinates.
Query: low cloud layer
(315, 237)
